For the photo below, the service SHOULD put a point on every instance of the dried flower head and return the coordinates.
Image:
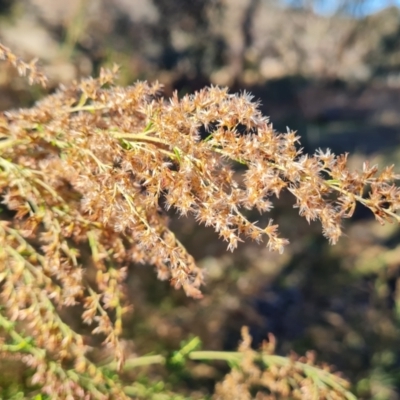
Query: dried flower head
(271, 377)
(88, 172)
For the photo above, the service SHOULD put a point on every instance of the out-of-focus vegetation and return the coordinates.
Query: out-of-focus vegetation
(337, 81)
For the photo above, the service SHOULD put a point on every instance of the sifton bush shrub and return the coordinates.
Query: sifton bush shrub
(85, 175)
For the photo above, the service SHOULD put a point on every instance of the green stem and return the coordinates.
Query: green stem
(140, 136)
(320, 377)
(139, 362)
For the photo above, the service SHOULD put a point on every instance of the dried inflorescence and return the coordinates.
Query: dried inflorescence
(30, 69)
(264, 376)
(88, 171)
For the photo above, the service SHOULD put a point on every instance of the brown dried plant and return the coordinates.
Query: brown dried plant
(93, 165)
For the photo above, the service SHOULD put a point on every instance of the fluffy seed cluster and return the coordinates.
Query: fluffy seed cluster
(87, 174)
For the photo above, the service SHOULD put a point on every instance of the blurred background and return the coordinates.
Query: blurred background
(329, 69)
